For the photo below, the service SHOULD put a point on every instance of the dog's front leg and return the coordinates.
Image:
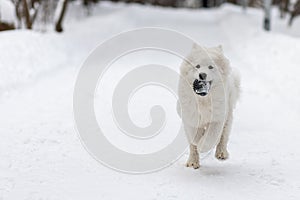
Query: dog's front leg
(194, 137)
(193, 160)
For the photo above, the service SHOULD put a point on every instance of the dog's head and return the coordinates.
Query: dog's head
(204, 67)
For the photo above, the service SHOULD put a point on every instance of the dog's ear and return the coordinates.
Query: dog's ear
(220, 48)
(217, 49)
(196, 46)
(220, 60)
(200, 50)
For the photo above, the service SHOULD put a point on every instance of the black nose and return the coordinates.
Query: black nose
(202, 76)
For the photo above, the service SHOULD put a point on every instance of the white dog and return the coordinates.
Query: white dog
(208, 91)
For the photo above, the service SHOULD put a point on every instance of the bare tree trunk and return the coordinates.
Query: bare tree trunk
(18, 13)
(58, 23)
(86, 2)
(267, 19)
(295, 12)
(244, 4)
(27, 15)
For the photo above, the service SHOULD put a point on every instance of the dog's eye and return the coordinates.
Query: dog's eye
(210, 67)
(197, 66)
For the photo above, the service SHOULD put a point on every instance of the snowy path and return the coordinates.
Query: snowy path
(41, 155)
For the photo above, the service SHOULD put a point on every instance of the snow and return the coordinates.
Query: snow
(42, 156)
(7, 11)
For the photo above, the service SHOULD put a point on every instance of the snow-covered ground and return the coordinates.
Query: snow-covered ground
(41, 156)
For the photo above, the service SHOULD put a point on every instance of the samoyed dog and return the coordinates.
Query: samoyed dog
(207, 94)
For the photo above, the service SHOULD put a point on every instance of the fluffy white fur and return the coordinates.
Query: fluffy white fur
(207, 120)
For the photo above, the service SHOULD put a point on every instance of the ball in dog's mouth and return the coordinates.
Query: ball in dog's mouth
(201, 87)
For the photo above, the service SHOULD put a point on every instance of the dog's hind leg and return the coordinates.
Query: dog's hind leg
(221, 150)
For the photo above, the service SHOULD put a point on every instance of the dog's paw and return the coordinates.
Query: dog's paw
(193, 163)
(222, 154)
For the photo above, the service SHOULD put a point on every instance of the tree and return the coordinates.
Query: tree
(267, 19)
(27, 15)
(61, 10)
(26, 12)
(295, 12)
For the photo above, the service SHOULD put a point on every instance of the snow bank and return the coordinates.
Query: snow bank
(7, 11)
(26, 54)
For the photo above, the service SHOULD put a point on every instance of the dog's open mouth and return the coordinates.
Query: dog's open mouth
(201, 87)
